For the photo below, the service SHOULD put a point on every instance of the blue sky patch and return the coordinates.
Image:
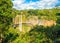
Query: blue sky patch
(35, 4)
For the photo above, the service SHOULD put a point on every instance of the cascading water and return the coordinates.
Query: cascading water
(20, 24)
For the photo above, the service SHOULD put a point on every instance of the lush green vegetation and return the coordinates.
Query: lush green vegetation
(7, 13)
(38, 34)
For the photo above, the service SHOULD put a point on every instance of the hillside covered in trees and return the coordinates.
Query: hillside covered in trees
(37, 34)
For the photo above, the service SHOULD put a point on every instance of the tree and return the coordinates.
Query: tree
(40, 34)
(6, 17)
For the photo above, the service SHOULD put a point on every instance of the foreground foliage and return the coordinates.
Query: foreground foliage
(40, 34)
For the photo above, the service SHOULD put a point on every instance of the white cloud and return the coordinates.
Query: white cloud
(42, 4)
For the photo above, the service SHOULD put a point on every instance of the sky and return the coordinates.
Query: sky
(35, 4)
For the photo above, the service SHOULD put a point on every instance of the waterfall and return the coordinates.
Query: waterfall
(20, 23)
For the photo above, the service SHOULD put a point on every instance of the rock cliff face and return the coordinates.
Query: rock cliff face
(32, 21)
